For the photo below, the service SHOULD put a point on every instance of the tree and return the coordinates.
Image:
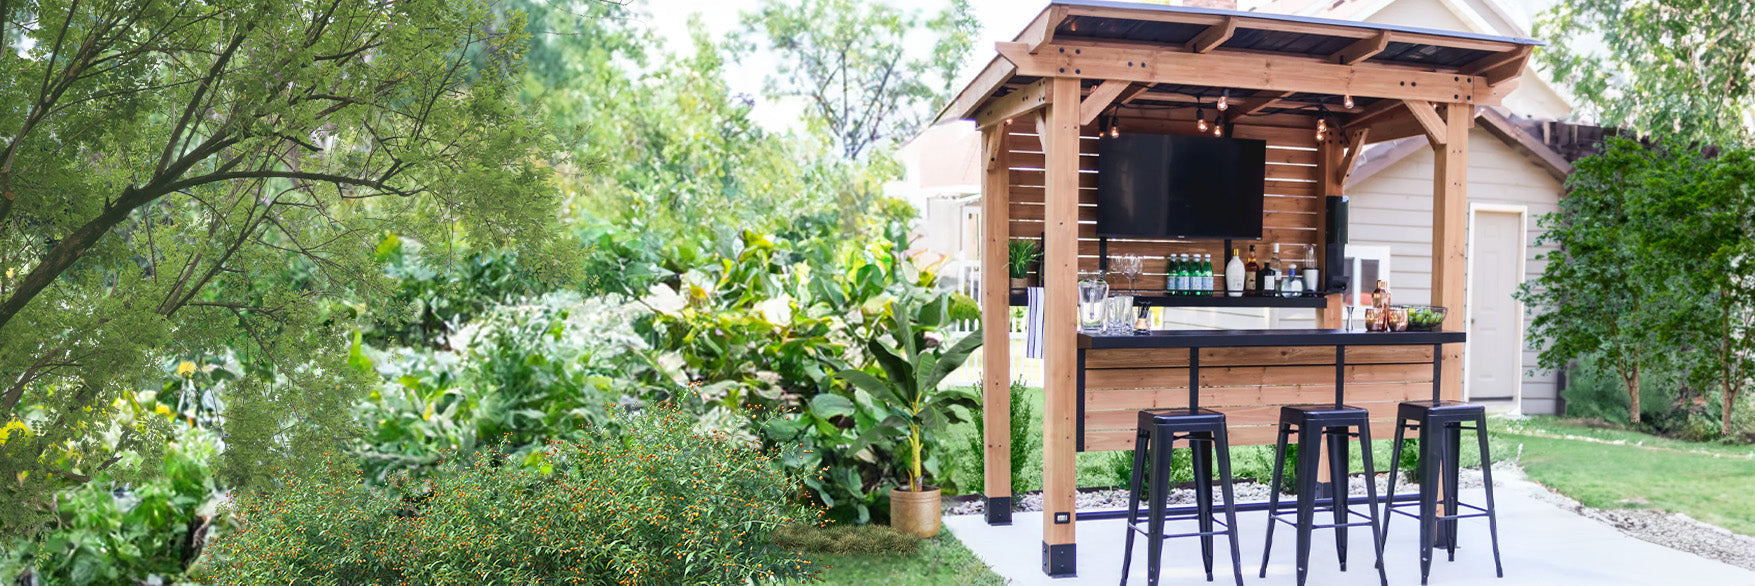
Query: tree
(1597, 294)
(849, 61)
(191, 178)
(1677, 68)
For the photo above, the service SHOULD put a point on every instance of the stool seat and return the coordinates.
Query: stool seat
(1323, 414)
(1180, 416)
(1418, 409)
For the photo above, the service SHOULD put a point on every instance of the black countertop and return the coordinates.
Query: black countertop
(1240, 338)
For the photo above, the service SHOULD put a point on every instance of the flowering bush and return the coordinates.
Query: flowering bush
(657, 502)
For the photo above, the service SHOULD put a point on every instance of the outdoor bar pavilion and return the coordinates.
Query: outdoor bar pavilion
(1083, 67)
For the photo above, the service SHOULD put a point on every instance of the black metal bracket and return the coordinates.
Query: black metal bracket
(1060, 561)
(999, 509)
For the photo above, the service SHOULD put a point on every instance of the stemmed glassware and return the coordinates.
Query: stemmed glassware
(1131, 266)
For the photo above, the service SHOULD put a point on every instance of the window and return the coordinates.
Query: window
(1368, 264)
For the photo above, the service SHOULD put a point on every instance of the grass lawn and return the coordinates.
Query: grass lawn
(941, 560)
(1609, 468)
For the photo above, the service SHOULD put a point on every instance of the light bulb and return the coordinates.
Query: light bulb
(1347, 101)
(1201, 125)
(1113, 131)
(1223, 101)
(1008, 122)
(1319, 136)
(1218, 130)
(1321, 126)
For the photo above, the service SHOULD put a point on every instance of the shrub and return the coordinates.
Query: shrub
(657, 502)
(845, 539)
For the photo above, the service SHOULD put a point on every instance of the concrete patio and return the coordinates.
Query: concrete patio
(1541, 544)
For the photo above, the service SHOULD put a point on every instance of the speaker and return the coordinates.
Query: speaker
(1339, 271)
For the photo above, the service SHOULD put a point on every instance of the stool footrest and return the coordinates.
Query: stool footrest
(1147, 531)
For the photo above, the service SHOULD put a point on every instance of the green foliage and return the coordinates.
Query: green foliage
(195, 179)
(965, 472)
(1021, 256)
(656, 502)
(914, 362)
(112, 532)
(1678, 68)
(845, 539)
(851, 63)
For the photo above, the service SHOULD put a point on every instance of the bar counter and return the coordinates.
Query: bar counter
(1249, 375)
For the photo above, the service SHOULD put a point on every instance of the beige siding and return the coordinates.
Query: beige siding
(1394, 208)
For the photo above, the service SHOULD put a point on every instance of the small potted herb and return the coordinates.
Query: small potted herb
(1022, 258)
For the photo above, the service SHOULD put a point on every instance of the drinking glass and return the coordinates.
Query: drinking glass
(1118, 315)
(1092, 293)
(1131, 266)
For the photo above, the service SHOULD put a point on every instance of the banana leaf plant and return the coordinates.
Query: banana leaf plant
(914, 360)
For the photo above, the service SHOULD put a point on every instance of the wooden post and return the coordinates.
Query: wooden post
(996, 338)
(1060, 326)
(1450, 177)
(1329, 156)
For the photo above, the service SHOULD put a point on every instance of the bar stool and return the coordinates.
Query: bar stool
(1440, 424)
(1333, 422)
(1204, 430)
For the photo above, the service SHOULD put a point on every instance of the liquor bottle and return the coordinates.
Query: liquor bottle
(1291, 286)
(1234, 274)
(1250, 274)
(1269, 279)
(1208, 284)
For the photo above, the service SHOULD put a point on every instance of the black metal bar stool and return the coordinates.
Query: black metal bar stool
(1335, 423)
(1440, 424)
(1204, 430)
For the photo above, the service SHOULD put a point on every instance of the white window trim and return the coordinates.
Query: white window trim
(1523, 237)
(1379, 253)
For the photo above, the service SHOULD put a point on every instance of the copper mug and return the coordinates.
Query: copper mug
(1373, 320)
(1398, 319)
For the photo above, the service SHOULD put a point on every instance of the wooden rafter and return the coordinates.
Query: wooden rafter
(1499, 67)
(1133, 91)
(1220, 69)
(1375, 113)
(1214, 36)
(1100, 98)
(1253, 106)
(1027, 99)
(1429, 120)
(1041, 30)
(1361, 49)
(1355, 146)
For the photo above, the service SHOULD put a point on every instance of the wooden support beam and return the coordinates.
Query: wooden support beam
(1449, 231)
(1060, 328)
(1214, 36)
(1027, 99)
(1329, 159)
(1258, 104)
(1100, 98)
(1375, 113)
(1361, 31)
(996, 313)
(1361, 49)
(1244, 71)
(1355, 146)
(1500, 67)
(1040, 31)
(1133, 91)
(1430, 121)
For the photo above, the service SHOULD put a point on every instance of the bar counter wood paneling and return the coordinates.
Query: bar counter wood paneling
(1249, 375)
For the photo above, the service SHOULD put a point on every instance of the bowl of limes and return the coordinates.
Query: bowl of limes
(1425, 318)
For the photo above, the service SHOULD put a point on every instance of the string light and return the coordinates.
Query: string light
(1218, 126)
(1347, 101)
(1008, 122)
(1200, 119)
(1114, 130)
(1224, 100)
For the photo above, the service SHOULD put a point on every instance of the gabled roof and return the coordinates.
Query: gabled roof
(1288, 57)
(1385, 155)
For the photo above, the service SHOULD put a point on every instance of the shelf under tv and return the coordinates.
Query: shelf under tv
(1019, 299)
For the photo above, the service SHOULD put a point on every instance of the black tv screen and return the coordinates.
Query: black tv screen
(1177, 186)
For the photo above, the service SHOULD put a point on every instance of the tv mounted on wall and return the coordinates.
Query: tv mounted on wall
(1177, 186)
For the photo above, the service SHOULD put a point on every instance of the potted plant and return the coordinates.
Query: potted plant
(1022, 256)
(914, 360)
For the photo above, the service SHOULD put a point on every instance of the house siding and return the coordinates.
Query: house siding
(1393, 208)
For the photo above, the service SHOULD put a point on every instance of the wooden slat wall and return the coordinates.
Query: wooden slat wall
(1291, 208)
(1248, 384)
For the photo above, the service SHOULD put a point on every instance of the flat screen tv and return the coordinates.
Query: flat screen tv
(1177, 186)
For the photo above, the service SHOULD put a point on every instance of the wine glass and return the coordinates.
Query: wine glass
(1130, 266)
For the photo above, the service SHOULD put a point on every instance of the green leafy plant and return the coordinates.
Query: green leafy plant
(914, 362)
(1021, 255)
(655, 502)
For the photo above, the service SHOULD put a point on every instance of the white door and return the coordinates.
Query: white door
(1495, 347)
